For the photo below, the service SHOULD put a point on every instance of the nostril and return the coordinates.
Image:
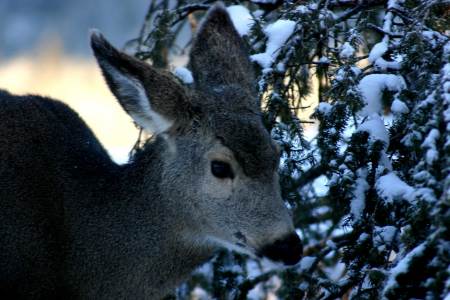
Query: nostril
(288, 250)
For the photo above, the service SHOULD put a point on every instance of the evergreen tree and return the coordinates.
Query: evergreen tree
(379, 227)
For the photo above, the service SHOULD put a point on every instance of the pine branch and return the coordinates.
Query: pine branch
(249, 284)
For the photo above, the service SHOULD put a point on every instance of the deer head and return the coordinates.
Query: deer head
(219, 172)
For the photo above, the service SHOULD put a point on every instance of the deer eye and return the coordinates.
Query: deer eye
(221, 169)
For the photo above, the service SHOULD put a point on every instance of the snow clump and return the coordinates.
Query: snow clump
(184, 75)
(347, 50)
(390, 187)
(277, 34)
(372, 87)
(241, 18)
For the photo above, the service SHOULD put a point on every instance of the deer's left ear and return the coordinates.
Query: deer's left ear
(154, 99)
(219, 55)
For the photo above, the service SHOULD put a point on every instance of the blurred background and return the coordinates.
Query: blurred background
(44, 49)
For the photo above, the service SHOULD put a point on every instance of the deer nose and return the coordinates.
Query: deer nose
(287, 250)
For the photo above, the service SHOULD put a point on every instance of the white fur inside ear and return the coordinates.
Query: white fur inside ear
(137, 103)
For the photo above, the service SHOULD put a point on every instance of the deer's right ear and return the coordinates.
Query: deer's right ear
(152, 98)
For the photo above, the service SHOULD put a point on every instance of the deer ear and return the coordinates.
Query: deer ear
(153, 99)
(219, 55)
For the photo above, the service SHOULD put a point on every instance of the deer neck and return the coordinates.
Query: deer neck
(150, 227)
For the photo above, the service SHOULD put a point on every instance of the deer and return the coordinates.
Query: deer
(76, 225)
